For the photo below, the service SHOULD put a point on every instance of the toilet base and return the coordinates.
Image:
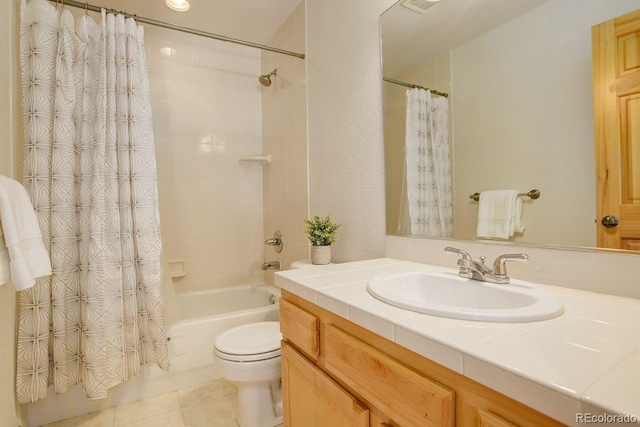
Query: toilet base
(259, 405)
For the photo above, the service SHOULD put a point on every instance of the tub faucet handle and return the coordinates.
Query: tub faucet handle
(275, 241)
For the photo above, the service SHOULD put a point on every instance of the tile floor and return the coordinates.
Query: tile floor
(208, 405)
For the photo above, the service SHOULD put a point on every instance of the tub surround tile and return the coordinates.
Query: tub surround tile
(555, 366)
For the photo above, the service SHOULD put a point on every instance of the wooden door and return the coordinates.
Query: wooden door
(616, 97)
(319, 401)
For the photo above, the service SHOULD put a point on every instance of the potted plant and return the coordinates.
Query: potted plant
(321, 233)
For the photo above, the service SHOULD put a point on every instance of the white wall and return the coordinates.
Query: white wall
(346, 154)
(524, 90)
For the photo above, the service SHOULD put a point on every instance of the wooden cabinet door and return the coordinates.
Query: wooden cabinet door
(407, 397)
(319, 401)
(616, 97)
(487, 419)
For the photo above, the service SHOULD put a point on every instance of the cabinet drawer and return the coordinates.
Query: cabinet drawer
(300, 328)
(404, 395)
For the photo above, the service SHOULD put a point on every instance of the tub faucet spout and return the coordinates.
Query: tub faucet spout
(273, 265)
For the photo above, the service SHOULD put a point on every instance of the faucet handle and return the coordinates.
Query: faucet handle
(462, 254)
(499, 265)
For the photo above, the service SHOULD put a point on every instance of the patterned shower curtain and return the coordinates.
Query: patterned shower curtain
(89, 168)
(428, 165)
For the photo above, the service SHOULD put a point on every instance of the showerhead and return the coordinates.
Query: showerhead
(265, 80)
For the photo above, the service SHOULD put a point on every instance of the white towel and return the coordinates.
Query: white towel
(499, 214)
(23, 256)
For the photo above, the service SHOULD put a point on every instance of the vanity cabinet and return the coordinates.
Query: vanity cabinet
(313, 399)
(336, 373)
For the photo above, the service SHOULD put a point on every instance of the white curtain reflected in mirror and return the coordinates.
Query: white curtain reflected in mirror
(426, 207)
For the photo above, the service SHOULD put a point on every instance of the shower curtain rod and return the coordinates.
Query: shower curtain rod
(411, 85)
(162, 24)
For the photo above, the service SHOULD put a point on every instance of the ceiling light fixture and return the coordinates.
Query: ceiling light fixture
(179, 5)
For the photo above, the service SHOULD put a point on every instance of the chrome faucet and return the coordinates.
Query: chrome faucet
(273, 265)
(475, 270)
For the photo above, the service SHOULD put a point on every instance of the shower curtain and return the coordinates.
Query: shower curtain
(89, 168)
(427, 207)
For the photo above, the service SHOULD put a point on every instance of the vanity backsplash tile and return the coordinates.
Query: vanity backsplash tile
(607, 273)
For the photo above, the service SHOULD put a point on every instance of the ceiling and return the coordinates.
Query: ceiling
(250, 20)
(409, 38)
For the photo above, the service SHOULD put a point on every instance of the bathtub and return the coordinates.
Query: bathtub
(204, 315)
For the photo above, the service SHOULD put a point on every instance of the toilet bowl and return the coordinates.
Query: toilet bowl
(249, 357)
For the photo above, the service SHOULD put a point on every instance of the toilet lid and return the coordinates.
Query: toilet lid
(261, 340)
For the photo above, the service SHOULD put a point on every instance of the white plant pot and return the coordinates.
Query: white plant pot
(320, 255)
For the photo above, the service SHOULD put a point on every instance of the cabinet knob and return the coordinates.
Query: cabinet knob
(610, 221)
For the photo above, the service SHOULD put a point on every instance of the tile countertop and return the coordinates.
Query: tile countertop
(585, 361)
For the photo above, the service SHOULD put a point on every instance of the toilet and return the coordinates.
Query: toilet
(249, 357)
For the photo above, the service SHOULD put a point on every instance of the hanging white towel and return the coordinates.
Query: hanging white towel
(499, 214)
(518, 226)
(23, 256)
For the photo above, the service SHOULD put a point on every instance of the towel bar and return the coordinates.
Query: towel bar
(534, 194)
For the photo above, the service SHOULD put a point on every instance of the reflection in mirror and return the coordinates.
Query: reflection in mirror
(519, 114)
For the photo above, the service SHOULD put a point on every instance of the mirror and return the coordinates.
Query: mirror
(520, 106)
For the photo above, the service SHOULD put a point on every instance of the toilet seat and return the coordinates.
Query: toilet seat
(249, 343)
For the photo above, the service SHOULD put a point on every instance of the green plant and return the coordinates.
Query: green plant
(321, 231)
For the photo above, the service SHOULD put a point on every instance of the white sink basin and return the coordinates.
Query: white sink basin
(446, 294)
